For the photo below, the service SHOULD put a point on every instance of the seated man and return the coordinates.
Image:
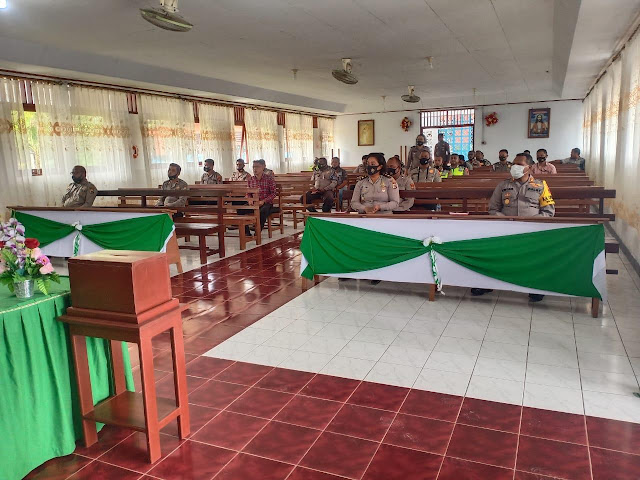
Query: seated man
(424, 172)
(457, 170)
(340, 175)
(240, 174)
(81, 192)
(266, 185)
(521, 196)
(543, 167)
(575, 159)
(502, 165)
(479, 160)
(362, 168)
(395, 169)
(174, 183)
(324, 182)
(210, 176)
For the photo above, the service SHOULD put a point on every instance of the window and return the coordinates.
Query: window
(455, 124)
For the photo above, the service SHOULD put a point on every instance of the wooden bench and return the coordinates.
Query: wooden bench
(202, 231)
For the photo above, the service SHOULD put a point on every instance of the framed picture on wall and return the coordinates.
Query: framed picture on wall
(366, 134)
(538, 122)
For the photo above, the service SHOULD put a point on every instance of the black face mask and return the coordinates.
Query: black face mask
(424, 161)
(76, 179)
(541, 159)
(208, 169)
(502, 159)
(173, 177)
(419, 143)
(372, 169)
(322, 166)
(392, 170)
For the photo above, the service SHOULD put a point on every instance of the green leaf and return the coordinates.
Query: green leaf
(42, 285)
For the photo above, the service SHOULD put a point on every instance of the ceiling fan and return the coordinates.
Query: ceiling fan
(412, 97)
(166, 17)
(344, 75)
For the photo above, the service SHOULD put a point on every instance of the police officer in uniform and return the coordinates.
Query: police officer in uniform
(522, 196)
(425, 172)
(172, 185)
(457, 170)
(502, 165)
(413, 157)
(210, 176)
(395, 169)
(81, 192)
(442, 149)
(324, 182)
(362, 168)
(240, 175)
(377, 192)
(479, 160)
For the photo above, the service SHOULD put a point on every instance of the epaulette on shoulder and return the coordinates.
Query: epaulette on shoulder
(362, 177)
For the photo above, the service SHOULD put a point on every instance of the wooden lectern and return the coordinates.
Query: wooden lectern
(126, 296)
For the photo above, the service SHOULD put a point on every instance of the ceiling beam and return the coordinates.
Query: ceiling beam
(565, 19)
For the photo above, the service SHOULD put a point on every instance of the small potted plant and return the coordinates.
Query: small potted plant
(22, 263)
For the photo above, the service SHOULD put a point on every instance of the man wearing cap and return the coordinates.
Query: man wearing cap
(240, 175)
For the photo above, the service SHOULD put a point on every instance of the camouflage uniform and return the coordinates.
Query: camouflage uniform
(211, 178)
(239, 176)
(80, 194)
(522, 199)
(170, 200)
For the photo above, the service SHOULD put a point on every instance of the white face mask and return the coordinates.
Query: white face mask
(517, 171)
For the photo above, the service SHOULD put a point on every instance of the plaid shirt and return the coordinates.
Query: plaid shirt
(267, 186)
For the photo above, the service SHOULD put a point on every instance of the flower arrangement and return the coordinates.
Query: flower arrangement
(21, 260)
(405, 124)
(491, 119)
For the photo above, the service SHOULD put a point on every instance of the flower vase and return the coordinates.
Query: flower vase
(24, 289)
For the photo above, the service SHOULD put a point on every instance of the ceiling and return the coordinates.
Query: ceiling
(507, 50)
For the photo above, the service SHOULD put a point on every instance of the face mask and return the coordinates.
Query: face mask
(424, 161)
(420, 143)
(173, 177)
(517, 171)
(240, 168)
(541, 159)
(372, 169)
(391, 170)
(322, 166)
(76, 179)
(207, 169)
(502, 159)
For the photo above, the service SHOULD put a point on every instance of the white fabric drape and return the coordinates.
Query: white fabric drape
(299, 141)
(217, 137)
(168, 136)
(325, 128)
(262, 137)
(612, 141)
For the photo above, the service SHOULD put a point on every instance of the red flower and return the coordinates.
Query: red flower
(31, 243)
(1, 244)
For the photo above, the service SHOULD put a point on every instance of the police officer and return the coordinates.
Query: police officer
(502, 165)
(341, 177)
(479, 160)
(174, 183)
(362, 168)
(210, 176)
(413, 157)
(425, 172)
(442, 149)
(394, 168)
(522, 196)
(324, 182)
(81, 192)
(240, 175)
(377, 192)
(457, 170)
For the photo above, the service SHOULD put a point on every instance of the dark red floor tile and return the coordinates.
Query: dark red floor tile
(483, 413)
(309, 412)
(282, 441)
(108, 437)
(99, 471)
(221, 332)
(195, 326)
(193, 460)
(556, 459)
(207, 367)
(241, 320)
(59, 468)
(301, 473)
(198, 417)
(164, 361)
(199, 345)
(165, 388)
(395, 463)
(530, 476)
(614, 435)
(285, 380)
(432, 405)
(246, 467)
(230, 430)
(132, 452)
(377, 395)
(260, 402)
(610, 465)
(216, 315)
(419, 433)
(161, 342)
(234, 306)
(362, 422)
(262, 309)
(197, 307)
(339, 454)
(484, 446)
(216, 394)
(565, 427)
(456, 469)
(244, 373)
(330, 388)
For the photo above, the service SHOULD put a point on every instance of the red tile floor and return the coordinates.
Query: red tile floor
(255, 422)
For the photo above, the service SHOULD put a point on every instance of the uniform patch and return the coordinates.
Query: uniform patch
(507, 201)
(412, 186)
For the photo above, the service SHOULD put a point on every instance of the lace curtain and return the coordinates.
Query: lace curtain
(168, 136)
(325, 130)
(262, 137)
(299, 141)
(217, 137)
(612, 141)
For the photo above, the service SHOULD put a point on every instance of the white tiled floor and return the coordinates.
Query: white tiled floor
(499, 347)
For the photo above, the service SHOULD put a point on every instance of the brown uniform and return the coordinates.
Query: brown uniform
(429, 174)
(522, 199)
(502, 167)
(384, 193)
(405, 183)
(171, 200)
(324, 179)
(80, 194)
(239, 176)
(443, 150)
(413, 157)
(211, 178)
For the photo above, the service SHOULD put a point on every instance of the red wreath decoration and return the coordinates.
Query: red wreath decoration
(491, 119)
(405, 124)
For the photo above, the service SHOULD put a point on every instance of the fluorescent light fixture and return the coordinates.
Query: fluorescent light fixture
(3, 3)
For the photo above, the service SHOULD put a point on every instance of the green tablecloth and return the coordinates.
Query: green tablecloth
(39, 410)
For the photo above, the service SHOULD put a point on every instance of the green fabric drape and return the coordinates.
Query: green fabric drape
(147, 233)
(564, 266)
(39, 410)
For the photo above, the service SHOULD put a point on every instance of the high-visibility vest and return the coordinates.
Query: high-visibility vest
(456, 172)
(444, 173)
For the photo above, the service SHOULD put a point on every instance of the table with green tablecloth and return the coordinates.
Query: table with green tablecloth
(39, 409)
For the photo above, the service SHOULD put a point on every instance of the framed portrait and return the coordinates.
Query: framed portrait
(538, 122)
(366, 134)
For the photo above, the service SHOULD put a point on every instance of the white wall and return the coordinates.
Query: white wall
(510, 132)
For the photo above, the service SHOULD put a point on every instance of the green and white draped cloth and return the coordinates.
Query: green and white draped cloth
(549, 258)
(67, 233)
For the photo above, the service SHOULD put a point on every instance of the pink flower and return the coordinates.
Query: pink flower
(36, 253)
(43, 260)
(47, 268)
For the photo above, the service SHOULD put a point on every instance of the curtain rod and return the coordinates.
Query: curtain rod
(160, 93)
